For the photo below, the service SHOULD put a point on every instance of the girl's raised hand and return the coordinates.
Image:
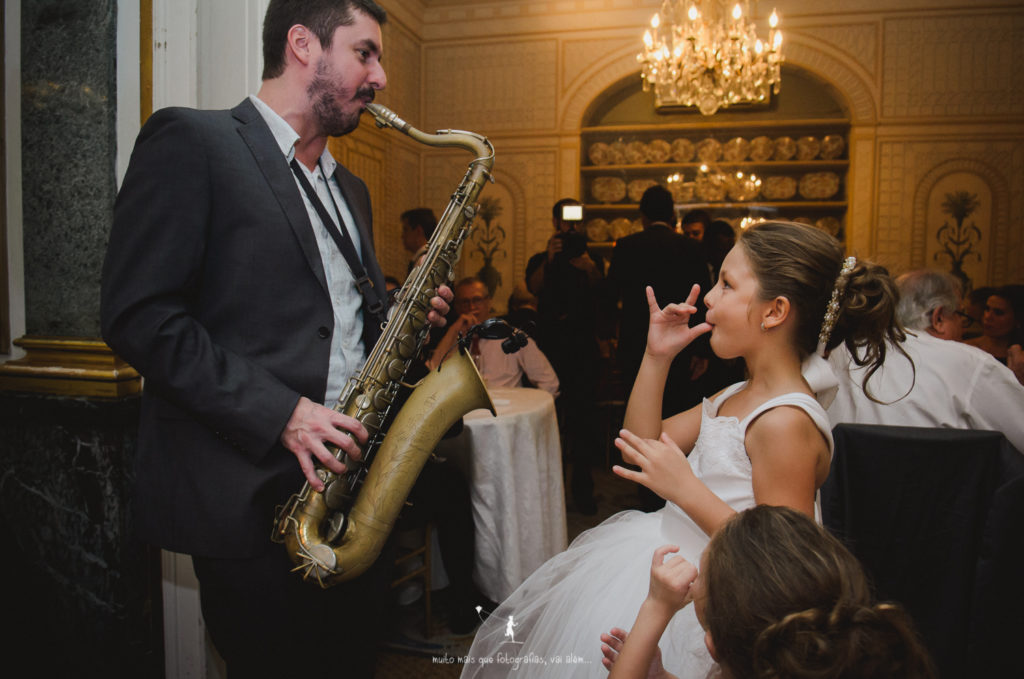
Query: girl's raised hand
(669, 330)
(664, 468)
(671, 579)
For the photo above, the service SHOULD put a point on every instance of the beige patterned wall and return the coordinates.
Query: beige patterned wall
(953, 66)
(932, 92)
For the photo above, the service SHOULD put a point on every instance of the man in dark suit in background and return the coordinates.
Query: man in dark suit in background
(224, 286)
(672, 264)
(568, 285)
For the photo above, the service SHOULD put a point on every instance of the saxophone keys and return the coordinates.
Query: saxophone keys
(406, 346)
(381, 399)
(396, 369)
(335, 527)
(372, 420)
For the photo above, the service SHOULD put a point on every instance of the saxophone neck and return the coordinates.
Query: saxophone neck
(470, 141)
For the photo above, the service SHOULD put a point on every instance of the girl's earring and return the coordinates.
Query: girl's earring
(763, 329)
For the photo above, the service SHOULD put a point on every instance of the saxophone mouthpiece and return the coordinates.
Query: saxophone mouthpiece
(385, 117)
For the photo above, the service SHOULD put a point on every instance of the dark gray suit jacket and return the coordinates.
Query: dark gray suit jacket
(214, 290)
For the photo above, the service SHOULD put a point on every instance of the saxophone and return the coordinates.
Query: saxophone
(336, 535)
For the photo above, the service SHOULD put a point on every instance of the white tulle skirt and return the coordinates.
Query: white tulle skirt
(551, 625)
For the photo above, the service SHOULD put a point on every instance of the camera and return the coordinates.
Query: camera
(574, 243)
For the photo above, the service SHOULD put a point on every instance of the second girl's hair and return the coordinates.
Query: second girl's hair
(802, 264)
(786, 599)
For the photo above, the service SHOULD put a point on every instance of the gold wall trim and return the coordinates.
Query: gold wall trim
(69, 366)
(145, 60)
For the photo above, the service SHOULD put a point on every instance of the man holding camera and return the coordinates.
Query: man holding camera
(568, 284)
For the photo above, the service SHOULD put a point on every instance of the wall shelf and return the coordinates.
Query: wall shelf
(802, 165)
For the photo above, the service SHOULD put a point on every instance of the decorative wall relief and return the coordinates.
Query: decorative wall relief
(959, 228)
(488, 239)
(958, 240)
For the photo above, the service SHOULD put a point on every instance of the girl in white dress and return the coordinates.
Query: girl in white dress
(763, 441)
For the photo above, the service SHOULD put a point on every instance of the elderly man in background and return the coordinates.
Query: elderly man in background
(499, 370)
(949, 384)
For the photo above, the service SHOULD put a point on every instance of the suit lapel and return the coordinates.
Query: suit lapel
(257, 136)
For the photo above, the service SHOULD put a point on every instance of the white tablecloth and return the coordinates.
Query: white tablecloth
(514, 463)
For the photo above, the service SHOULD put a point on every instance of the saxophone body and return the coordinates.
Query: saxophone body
(336, 535)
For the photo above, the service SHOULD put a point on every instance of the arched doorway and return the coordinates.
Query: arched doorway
(786, 160)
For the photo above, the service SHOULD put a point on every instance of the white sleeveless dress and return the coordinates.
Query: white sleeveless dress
(551, 625)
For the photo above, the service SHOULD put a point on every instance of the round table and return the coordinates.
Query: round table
(514, 464)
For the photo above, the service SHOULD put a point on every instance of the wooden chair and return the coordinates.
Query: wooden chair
(423, 572)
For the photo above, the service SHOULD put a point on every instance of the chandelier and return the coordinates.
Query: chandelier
(699, 53)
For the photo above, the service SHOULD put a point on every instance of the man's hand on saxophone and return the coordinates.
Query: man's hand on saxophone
(440, 305)
(310, 425)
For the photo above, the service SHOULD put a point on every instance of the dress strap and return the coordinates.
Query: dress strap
(806, 403)
(726, 393)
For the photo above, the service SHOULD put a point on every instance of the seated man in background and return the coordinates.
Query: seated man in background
(949, 384)
(499, 370)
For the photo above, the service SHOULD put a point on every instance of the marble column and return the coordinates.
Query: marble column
(82, 593)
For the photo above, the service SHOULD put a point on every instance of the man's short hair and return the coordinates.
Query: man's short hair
(322, 17)
(698, 215)
(423, 217)
(658, 205)
(922, 292)
(719, 228)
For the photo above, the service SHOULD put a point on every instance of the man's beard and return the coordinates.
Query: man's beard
(333, 121)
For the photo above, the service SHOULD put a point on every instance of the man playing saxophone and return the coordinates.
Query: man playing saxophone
(241, 282)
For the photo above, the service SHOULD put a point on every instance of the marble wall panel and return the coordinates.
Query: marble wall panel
(80, 592)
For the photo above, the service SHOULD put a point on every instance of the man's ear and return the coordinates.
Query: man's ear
(938, 321)
(775, 312)
(710, 643)
(301, 43)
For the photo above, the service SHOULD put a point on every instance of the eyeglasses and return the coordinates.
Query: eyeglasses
(471, 301)
(965, 318)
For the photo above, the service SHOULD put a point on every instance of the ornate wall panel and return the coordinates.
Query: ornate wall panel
(390, 169)
(404, 65)
(914, 178)
(965, 65)
(860, 216)
(579, 56)
(859, 42)
(492, 87)
(524, 185)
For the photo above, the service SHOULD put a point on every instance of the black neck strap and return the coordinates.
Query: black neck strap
(372, 300)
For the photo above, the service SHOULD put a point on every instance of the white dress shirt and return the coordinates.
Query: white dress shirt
(502, 371)
(955, 386)
(347, 339)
